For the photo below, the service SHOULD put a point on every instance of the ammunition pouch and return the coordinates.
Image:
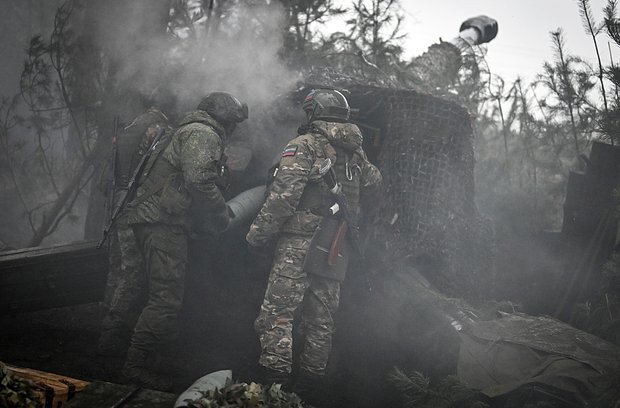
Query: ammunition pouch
(316, 262)
(174, 198)
(223, 174)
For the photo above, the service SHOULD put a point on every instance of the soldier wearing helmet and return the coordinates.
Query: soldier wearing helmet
(178, 195)
(126, 278)
(298, 201)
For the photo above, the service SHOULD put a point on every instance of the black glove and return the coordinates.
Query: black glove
(486, 26)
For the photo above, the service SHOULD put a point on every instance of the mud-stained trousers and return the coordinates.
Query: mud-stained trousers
(289, 287)
(164, 248)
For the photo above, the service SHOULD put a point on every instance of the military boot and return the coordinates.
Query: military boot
(268, 376)
(137, 372)
(113, 342)
(308, 386)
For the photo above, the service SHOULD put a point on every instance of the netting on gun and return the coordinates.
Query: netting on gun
(428, 215)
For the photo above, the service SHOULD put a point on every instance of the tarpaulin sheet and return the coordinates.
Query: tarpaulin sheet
(502, 355)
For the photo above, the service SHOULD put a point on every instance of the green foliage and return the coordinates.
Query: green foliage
(16, 392)
(528, 138)
(375, 30)
(371, 48)
(418, 392)
(569, 82)
(242, 395)
(601, 316)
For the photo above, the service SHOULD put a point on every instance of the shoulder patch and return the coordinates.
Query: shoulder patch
(290, 150)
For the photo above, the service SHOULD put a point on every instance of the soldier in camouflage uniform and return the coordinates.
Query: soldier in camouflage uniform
(297, 201)
(178, 195)
(128, 287)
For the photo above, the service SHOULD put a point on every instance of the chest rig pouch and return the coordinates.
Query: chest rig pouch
(328, 255)
(174, 198)
(223, 173)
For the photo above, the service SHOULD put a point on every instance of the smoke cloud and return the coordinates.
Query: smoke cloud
(235, 49)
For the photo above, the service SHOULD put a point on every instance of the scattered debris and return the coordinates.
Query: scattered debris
(242, 395)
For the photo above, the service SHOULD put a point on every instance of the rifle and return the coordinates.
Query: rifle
(341, 206)
(132, 186)
(111, 190)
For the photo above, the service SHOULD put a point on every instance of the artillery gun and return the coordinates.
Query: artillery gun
(426, 232)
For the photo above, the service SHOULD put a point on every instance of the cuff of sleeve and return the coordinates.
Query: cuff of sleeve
(254, 240)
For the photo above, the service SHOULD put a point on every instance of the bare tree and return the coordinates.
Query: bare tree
(304, 18)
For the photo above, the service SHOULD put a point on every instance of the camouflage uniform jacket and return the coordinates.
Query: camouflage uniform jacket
(180, 180)
(286, 208)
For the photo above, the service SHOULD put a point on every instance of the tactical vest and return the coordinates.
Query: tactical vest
(162, 179)
(162, 190)
(162, 196)
(316, 196)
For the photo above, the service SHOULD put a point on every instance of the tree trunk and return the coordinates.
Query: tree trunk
(126, 34)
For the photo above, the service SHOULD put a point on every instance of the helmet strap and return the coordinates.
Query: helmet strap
(311, 117)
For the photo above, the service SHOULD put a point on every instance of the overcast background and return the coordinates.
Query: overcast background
(523, 42)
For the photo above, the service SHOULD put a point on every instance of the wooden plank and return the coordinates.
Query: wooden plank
(53, 390)
(101, 394)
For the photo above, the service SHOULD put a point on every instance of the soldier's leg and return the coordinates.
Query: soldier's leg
(320, 305)
(121, 317)
(284, 294)
(114, 272)
(165, 254)
(132, 286)
(114, 257)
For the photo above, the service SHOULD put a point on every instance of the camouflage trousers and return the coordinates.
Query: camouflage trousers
(164, 248)
(289, 288)
(127, 285)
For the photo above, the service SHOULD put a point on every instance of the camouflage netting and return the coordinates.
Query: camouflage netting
(425, 152)
(16, 392)
(423, 146)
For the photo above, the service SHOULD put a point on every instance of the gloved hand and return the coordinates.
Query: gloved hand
(486, 26)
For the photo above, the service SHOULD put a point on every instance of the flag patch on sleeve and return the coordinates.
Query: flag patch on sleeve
(289, 151)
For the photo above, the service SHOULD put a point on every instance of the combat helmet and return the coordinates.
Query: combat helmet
(224, 108)
(326, 104)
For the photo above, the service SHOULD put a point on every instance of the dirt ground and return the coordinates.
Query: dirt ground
(216, 331)
(224, 291)
(223, 294)
(64, 341)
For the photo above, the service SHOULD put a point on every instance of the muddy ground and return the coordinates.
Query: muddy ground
(224, 290)
(216, 329)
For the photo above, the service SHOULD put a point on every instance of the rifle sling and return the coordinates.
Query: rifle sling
(158, 186)
(150, 192)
